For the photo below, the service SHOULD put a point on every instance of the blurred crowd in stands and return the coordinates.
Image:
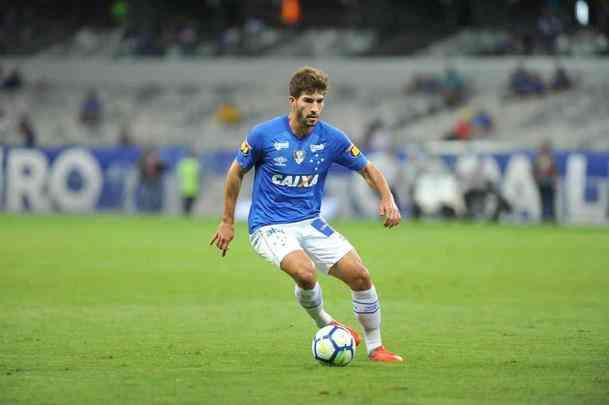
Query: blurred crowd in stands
(209, 28)
(524, 82)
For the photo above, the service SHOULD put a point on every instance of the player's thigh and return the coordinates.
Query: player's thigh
(323, 244)
(300, 267)
(274, 243)
(351, 270)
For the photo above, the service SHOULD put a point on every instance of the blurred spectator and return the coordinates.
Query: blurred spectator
(545, 175)
(423, 83)
(5, 126)
(91, 110)
(26, 131)
(561, 79)
(462, 131)
(482, 124)
(151, 169)
(120, 12)
(188, 175)
(290, 12)
(479, 182)
(228, 113)
(432, 188)
(473, 183)
(13, 81)
(124, 137)
(525, 83)
(453, 89)
(416, 163)
(497, 201)
(472, 124)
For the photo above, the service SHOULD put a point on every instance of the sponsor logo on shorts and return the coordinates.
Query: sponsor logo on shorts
(295, 181)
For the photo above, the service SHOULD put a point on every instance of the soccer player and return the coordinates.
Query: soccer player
(292, 154)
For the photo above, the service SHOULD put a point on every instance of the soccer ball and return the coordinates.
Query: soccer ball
(333, 345)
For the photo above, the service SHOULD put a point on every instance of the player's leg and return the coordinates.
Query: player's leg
(307, 290)
(325, 247)
(334, 255)
(279, 245)
(351, 270)
(366, 307)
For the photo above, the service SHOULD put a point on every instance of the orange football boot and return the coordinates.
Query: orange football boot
(384, 355)
(356, 336)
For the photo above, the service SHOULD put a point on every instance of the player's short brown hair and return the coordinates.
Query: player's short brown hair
(308, 80)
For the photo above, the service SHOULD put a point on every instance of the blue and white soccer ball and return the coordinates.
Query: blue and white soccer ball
(333, 345)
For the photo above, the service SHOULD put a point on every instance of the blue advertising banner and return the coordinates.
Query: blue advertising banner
(76, 179)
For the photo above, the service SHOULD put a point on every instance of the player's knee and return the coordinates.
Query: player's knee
(306, 278)
(360, 279)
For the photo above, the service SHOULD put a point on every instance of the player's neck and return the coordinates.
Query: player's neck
(298, 130)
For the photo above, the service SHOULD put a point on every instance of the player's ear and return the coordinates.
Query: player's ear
(292, 102)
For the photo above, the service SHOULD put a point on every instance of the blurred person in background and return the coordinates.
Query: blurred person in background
(124, 138)
(13, 81)
(119, 10)
(436, 191)
(545, 175)
(151, 169)
(473, 183)
(479, 181)
(454, 89)
(91, 110)
(188, 177)
(5, 126)
(523, 82)
(26, 131)
(561, 80)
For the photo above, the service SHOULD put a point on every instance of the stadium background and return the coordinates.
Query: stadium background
(108, 295)
(196, 76)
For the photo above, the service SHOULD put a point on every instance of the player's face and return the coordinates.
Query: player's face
(307, 108)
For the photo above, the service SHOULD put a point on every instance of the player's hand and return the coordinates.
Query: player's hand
(223, 237)
(390, 211)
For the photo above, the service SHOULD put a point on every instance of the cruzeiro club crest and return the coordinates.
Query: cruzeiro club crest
(299, 156)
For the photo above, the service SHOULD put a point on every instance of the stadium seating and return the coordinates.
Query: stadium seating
(169, 105)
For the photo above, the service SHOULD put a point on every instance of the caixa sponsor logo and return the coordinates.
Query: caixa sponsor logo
(295, 181)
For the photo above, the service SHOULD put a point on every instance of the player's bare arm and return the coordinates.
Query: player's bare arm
(226, 230)
(387, 206)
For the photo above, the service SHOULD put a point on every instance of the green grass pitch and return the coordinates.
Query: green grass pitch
(125, 310)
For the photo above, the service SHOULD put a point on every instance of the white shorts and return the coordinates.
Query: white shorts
(324, 246)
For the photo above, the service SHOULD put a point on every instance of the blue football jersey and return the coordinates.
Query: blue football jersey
(291, 172)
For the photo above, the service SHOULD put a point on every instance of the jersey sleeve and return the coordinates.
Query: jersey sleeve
(347, 154)
(250, 151)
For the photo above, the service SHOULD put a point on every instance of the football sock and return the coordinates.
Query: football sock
(313, 302)
(367, 310)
